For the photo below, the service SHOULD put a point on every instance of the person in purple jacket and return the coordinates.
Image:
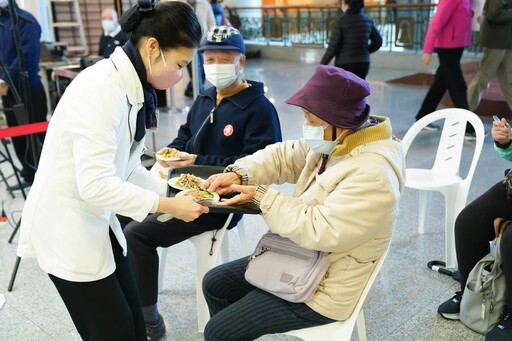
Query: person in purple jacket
(228, 121)
(448, 33)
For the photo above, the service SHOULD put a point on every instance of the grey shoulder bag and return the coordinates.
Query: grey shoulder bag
(286, 269)
(483, 298)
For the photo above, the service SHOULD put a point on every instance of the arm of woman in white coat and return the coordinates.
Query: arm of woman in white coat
(99, 124)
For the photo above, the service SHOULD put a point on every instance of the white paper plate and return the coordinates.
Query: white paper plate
(173, 183)
(167, 159)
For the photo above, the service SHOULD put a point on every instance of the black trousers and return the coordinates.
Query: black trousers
(21, 144)
(241, 311)
(474, 230)
(448, 77)
(359, 69)
(143, 239)
(107, 309)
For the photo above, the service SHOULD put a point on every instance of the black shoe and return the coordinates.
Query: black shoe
(18, 187)
(451, 309)
(156, 332)
(503, 330)
(189, 94)
(431, 127)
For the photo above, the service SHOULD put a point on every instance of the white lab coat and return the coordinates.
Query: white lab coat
(89, 170)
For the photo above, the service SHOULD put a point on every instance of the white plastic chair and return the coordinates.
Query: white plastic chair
(342, 330)
(239, 230)
(204, 262)
(444, 175)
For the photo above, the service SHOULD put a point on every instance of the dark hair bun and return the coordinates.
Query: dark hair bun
(132, 17)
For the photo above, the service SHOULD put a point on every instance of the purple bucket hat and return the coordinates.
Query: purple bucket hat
(336, 96)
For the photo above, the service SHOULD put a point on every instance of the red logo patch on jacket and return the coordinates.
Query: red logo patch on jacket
(228, 130)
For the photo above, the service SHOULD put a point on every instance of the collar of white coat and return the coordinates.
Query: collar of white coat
(129, 77)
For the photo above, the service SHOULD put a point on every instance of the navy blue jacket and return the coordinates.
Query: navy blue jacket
(240, 125)
(108, 44)
(30, 34)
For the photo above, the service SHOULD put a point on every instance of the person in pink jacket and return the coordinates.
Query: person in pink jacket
(448, 33)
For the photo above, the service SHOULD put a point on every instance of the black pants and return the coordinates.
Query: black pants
(107, 309)
(448, 77)
(358, 69)
(144, 238)
(474, 230)
(241, 311)
(21, 144)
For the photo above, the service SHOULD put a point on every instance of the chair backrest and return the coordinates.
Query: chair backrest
(342, 330)
(449, 150)
(368, 287)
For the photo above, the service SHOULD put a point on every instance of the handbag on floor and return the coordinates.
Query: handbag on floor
(483, 298)
(286, 269)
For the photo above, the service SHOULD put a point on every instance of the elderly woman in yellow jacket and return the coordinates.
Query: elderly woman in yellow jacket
(348, 173)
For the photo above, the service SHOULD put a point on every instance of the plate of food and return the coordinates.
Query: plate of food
(169, 154)
(186, 181)
(200, 195)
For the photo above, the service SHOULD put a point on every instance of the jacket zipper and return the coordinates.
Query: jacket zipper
(210, 116)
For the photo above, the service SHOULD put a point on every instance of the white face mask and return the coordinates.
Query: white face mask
(220, 75)
(108, 25)
(314, 138)
(4, 3)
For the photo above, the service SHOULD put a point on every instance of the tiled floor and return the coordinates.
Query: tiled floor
(405, 296)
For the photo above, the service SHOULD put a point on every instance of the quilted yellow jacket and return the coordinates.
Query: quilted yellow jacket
(349, 210)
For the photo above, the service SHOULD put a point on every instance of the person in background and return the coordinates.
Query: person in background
(204, 14)
(348, 164)
(30, 35)
(448, 33)
(113, 36)
(495, 37)
(474, 229)
(218, 12)
(348, 44)
(230, 120)
(90, 169)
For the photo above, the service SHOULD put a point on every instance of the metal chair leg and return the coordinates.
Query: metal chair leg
(14, 272)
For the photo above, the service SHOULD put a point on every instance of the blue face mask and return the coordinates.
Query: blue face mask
(314, 138)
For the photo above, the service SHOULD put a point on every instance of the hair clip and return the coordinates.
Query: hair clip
(147, 5)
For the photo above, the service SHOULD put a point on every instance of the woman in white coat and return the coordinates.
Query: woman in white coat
(90, 171)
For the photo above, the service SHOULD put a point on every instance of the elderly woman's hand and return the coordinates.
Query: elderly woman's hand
(245, 196)
(221, 183)
(500, 131)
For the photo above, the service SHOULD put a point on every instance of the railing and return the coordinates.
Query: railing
(402, 26)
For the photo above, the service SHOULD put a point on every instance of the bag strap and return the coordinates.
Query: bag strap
(500, 224)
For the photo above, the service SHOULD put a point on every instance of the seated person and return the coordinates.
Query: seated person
(474, 229)
(226, 122)
(348, 173)
(112, 36)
